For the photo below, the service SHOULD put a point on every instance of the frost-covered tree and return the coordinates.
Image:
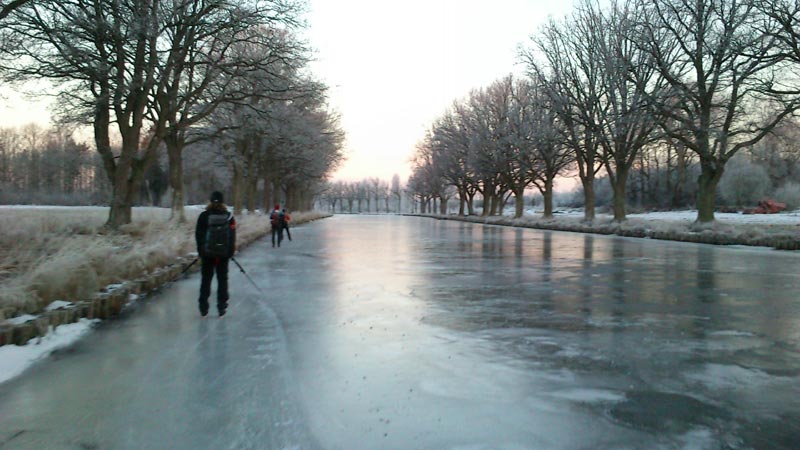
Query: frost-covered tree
(573, 66)
(103, 54)
(727, 74)
(396, 192)
(219, 52)
(625, 121)
(743, 182)
(551, 157)
(450, 139)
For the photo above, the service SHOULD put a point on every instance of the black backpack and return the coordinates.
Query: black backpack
(277, 219)
(218, 236)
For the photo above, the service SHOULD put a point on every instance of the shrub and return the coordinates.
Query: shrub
(603, 195)
(789, 193)
(743, 182)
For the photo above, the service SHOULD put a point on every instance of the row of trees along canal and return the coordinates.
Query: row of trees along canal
(705, 78)
(153, 77)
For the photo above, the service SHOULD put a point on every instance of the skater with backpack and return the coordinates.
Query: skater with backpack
(277, 220)
(215, 235)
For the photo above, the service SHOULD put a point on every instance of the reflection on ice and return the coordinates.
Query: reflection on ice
(408, 333)
(646, 341)
(583, 395)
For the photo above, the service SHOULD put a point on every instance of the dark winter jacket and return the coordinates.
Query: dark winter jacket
(202, 227)
(277, 219)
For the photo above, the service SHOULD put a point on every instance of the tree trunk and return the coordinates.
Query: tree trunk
(268, 203)
(677, 193)
(238, 189)
(707, 191)
(117, 171)
(618, 187)
(589, 199)
(471, 204)
(174, 150)
(102, 121)
(252, 184)
(519, 203)
(547, 196)
(128, 177)
(289, 201)
(121, 211)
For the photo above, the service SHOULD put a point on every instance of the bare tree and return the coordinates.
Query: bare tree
(624, 120)
(7, 8)
(783, 25)
(551, 157)
(396, 192)
(573, 67)
(290, 144)
(451, 149)
(723, 65)
(487, 125)
(104, 54)
(220, 52)
(512, 103)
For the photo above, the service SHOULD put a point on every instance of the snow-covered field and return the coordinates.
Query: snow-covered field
(689, 216)
(784, 218)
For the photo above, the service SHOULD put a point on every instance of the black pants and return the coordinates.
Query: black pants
(207, 271)
(277, 231)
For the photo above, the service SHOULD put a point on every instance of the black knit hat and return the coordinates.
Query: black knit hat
(216, 197)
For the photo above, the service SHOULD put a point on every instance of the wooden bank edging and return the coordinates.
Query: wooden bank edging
(778, 242)
(111, 301)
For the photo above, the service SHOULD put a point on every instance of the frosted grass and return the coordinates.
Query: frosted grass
(63, 253)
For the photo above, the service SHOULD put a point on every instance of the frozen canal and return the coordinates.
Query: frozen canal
(409, 333)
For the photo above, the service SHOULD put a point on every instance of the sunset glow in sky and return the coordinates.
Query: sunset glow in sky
(393, 67)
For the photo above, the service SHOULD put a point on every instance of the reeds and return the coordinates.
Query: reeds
(49, 254)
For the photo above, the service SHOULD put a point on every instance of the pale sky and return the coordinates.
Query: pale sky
(393, 67)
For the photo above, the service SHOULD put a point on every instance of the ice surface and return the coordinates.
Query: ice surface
(589, 395)
(721, 376)
(408, 333)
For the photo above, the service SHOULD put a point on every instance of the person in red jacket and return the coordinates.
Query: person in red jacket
(215, 235)
(286, 219)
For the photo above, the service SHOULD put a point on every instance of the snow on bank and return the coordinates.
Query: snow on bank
(14, 359)
(689, 216)
(785, 218)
